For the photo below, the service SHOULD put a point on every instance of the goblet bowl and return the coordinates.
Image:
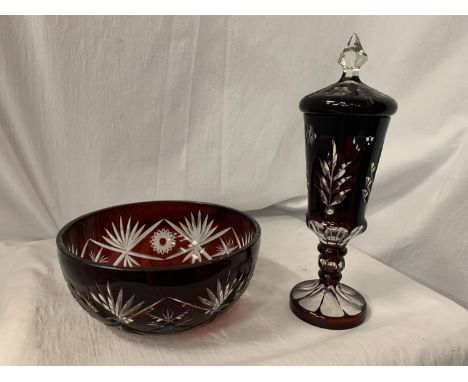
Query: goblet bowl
(158, 267)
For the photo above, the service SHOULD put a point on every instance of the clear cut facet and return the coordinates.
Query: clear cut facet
(353, 56)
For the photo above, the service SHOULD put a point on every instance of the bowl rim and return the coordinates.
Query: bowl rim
(63, 249)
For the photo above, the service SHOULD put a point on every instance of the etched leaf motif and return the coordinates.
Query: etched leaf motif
(340, 182)
(323, 183)
(325, 168)
(323, 197)
(338, 198)
(341, 171)
(368, 186)
(334, 156)
(332, 178)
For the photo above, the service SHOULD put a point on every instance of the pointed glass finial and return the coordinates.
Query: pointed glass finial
(352, 57)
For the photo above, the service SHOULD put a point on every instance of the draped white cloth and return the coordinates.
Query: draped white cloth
(98, 111)
(408, 324)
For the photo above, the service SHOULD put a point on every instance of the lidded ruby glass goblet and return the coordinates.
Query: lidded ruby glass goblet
(345, 126)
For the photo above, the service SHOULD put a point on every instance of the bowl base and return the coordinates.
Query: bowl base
(328, 306)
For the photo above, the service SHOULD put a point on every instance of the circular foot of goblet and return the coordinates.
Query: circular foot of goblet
(328, 306)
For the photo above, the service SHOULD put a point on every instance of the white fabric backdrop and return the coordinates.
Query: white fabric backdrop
(96, 111)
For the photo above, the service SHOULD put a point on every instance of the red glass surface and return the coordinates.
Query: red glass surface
(159, 267)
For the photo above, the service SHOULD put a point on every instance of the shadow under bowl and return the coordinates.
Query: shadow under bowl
(159, 267)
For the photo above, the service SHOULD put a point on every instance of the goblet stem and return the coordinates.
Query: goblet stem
(331, 263)
(326, 302)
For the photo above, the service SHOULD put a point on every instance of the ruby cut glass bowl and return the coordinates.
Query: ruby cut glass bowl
(158, 267)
